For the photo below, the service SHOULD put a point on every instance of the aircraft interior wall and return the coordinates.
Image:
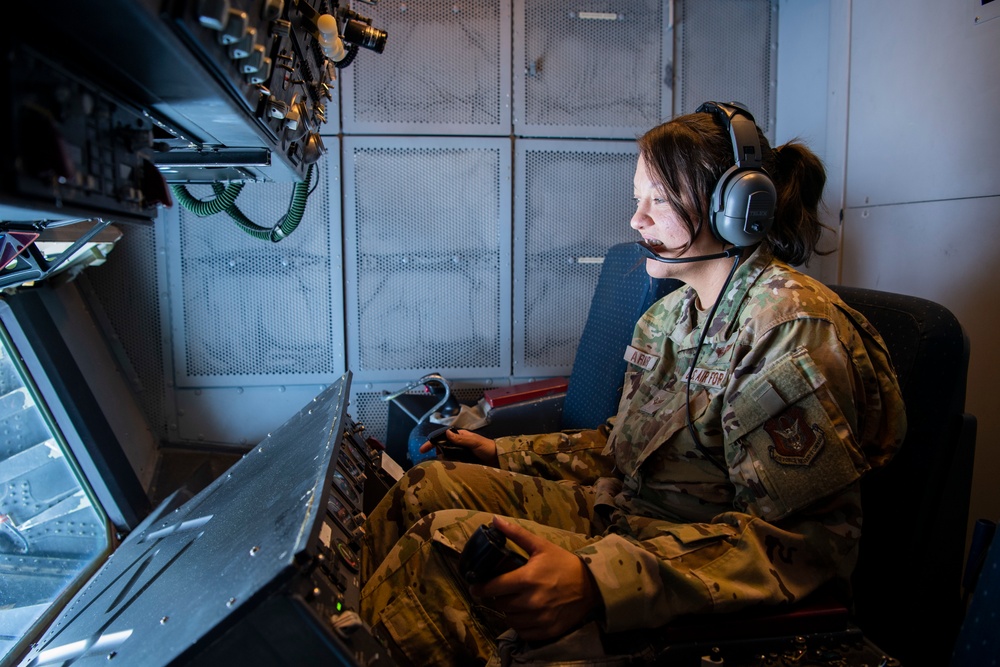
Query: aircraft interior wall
(454, 226)
(472, 177)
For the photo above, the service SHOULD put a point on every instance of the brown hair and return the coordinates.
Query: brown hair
(688, 154)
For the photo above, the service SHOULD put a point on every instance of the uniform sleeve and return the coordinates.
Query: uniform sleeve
(575, 455)
(791, 414)
(665, 570)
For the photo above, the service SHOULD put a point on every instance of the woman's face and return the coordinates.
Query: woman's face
(661, 228)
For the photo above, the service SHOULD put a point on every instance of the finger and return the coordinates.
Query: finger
(525, 539)
(465, 437)
(501, 587)
(459, 437)
(426, 447)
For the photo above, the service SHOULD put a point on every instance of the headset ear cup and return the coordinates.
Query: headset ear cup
(743, 207)
(744, 198)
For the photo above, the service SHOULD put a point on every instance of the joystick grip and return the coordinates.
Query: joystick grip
(448, 451)
(486, 556)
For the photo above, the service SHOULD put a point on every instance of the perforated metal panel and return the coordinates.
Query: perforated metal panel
(727, 51)
(445, 70)
(368, 408)
(573, 201)
(436, 279)
(127, 291)
(597, 68)
(427, 256)
(248, 311)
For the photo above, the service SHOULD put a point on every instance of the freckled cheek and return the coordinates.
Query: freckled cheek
(668, 228)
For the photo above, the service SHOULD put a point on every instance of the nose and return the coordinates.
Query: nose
(639, 218)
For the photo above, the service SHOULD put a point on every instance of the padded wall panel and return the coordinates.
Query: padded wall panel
(249, 311)
(427, 256)
(727, 51)
(237, 416)
(445, 70)
(573, 201)
(600, 68)
(923, 113)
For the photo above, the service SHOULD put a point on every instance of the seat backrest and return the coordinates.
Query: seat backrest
(624, 292)
(907, 585)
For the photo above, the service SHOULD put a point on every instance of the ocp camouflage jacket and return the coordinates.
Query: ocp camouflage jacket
(793, 397)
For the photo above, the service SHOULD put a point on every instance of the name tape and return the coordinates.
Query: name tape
(641, 359)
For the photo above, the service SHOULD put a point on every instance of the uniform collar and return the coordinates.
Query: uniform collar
(688, 330)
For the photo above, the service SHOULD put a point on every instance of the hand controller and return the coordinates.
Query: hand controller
(486, 556)
(450, 451)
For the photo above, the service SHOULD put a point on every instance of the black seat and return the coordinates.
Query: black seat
(907, 585)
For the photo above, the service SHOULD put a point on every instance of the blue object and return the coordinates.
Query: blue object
(447, 406)
(420, 434)
(623, 293)
(978, 641)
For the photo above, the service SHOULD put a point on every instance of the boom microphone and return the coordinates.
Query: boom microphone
(735, 251)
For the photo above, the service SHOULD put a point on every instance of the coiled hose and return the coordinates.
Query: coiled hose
(225, 202)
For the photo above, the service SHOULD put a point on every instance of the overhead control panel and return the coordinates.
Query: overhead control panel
(71, 149)
(104, 105)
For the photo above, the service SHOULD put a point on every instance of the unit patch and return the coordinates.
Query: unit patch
(796, 442)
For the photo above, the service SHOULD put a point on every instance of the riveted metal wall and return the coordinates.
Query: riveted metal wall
(486, 158)
(250, 311)
(445, 70)
(427, 232)
(600, 68)
(727, 51)
(573, 201)
(127, 293)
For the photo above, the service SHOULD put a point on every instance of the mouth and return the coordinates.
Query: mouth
(653, 245)
(651, 248)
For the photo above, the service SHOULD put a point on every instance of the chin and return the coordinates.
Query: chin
(660, 270)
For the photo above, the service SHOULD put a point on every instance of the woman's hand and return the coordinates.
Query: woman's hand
(548, 596)
(481, 447)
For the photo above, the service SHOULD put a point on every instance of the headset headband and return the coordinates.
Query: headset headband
(742, 129)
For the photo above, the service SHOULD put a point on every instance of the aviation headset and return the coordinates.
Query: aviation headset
(743, 202)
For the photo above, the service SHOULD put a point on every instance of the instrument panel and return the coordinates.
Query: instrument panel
(260, 567)
(136, 94)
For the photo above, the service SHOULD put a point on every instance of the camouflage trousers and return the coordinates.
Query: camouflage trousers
(413, 596)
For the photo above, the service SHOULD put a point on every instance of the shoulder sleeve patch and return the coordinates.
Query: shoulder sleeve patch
(790, 446)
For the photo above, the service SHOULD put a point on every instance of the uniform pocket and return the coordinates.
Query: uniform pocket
(792, 446)
(684, 539)
(413, 631)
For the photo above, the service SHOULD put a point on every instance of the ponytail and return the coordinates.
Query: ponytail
(799, 178)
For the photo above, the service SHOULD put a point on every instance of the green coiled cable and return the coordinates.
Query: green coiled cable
(225, 202)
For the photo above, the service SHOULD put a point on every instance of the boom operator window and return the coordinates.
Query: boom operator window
(53, 533)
